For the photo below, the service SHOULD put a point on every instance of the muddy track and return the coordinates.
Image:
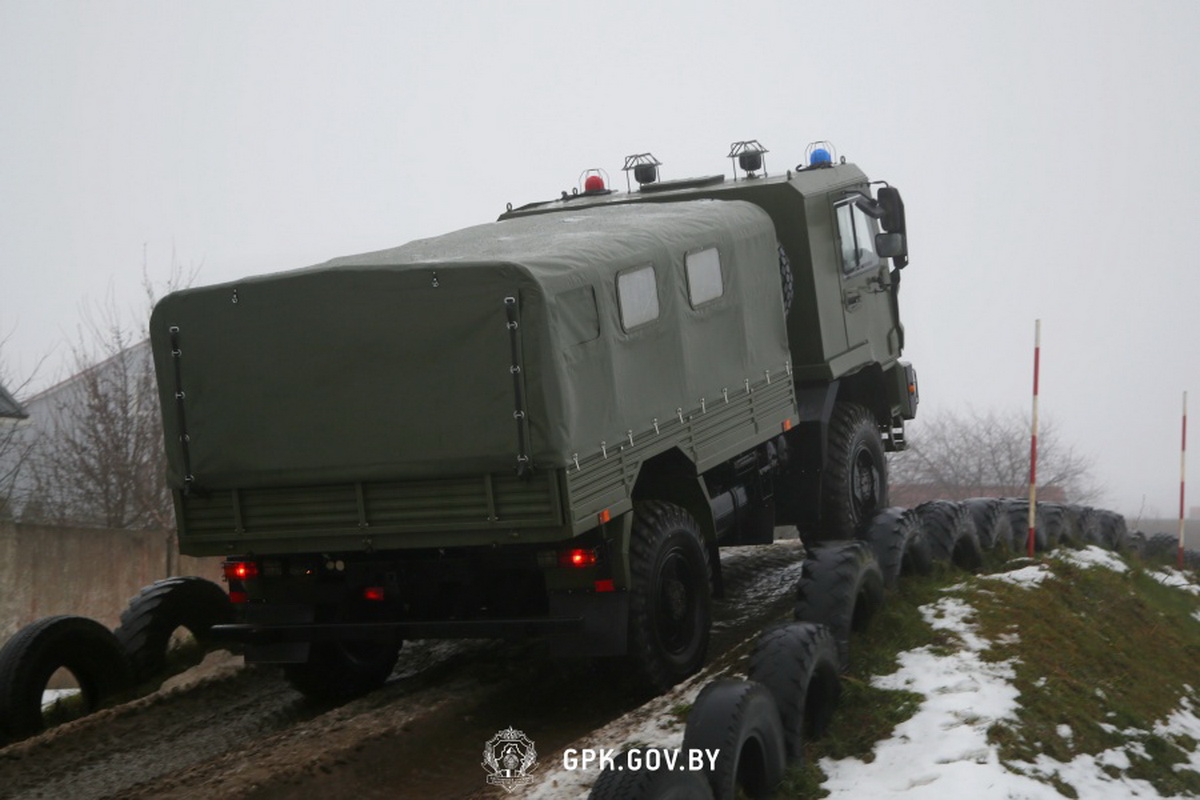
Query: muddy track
(245, 733)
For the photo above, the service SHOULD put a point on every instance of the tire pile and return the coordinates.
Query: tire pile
(107, 665)
(760, 724)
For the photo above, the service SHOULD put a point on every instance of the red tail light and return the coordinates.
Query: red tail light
(238, 597)
(240, 570)
(373, 593)
(577, 558)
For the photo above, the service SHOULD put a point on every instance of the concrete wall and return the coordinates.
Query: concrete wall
(92, 572)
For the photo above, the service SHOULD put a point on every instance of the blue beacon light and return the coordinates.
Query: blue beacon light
(819, 157)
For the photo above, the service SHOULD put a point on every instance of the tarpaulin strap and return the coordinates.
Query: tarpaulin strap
(511, 310)
(176, 358)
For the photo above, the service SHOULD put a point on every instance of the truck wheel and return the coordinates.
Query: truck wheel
(29, 659)
(670, 598)
(339, 671)
(900, 545)
(854, 485)
(798, 663)
(160, 609)
(648, 784)
(739, 719)
(840, 587)
(787, 279)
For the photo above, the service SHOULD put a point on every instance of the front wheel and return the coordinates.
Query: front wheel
(854, 486)
(670, 601)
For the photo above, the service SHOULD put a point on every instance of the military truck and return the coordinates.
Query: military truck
(542, 426)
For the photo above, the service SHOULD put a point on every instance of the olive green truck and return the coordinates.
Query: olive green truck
(542, 426)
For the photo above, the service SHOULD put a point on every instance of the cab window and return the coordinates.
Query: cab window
(857, 233)
(637, 295)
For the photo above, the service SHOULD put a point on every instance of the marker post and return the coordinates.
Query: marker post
(1037, 358)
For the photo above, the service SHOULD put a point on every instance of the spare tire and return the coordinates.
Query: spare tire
(159, 609)
(798, 663)
(28, 660)
(740, 721)
(649, 784)
(840, 587)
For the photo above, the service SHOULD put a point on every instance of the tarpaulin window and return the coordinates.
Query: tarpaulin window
(704, 276)
(637, 292)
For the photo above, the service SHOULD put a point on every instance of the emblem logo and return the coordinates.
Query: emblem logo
(509, 756)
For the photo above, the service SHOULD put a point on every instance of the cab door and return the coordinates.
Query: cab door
(871, 327)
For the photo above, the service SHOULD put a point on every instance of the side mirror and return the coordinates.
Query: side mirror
(892, 218)
(891, 245)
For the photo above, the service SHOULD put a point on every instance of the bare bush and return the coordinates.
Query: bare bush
(955, 455)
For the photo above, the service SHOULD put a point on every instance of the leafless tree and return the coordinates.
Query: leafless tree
(972, 453)
(100, 459)
(16, 443)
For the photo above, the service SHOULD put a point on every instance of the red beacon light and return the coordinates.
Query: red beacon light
(594, 181)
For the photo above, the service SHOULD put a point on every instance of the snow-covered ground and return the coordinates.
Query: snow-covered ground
(943, 750)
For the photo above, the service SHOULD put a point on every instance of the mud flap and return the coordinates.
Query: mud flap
(277, 652)
(605, 627)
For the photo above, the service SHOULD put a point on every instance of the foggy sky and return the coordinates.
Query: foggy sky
(1047, 153)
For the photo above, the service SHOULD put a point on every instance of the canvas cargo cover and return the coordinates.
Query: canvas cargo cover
(398, 364)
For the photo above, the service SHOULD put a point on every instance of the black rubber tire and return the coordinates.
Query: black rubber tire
(1161, 546)
(1050, 519)
(854, 483)
(738, 718)
(1112, 529)
(840, 587)
(787, 280)
(161, 608)
(670, 596)
(28, 660)
(1018, 515)
(798, 662)
(991, 523)
(1135, 545)
(339, 671)
(647, 784)
(1072, 526)
(1089, 526)
(900, 545)
(952, 535)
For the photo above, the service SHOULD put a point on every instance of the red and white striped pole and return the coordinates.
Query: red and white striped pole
(1037, 359)
(1182, 481)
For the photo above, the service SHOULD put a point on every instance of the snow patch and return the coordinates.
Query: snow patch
(52, 696)
(1092, 556)
(1026, 577)
(1169, 576)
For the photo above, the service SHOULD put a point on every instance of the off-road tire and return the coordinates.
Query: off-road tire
(798, 662)
(1089, 526)
(646, 784)
(1050, 518)
(840, 587)
(1018, 515)
(991, 523)
(740, 719)
(854, 483)
(339, 671)
(28, 660)
(1112, 529)
(787, 280)
(161, 608)
(899, 543)
(1072, 526)
(670, 596)
(952, 535)
(1135, 544)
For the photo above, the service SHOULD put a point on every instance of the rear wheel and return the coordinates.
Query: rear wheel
(670, 599)
(854, 483)
(338, 671)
